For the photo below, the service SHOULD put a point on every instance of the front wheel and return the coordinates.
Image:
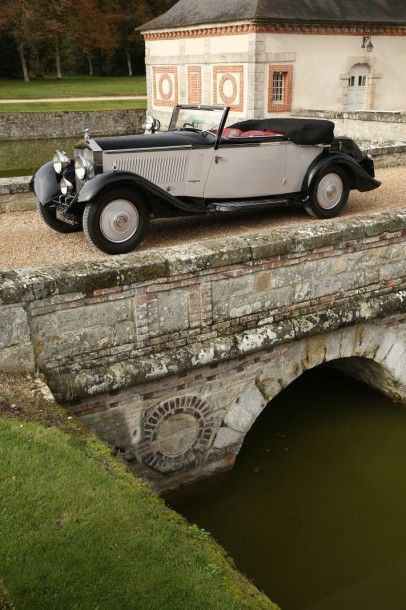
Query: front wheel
(117, 221)
(329, 193)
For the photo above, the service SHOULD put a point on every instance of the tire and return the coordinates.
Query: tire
(48, 216)
(329, 193)
(117, 221)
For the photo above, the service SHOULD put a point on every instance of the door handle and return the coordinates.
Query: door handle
(217, 159)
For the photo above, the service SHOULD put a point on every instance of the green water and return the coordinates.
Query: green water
(314, 511)
(22, 158)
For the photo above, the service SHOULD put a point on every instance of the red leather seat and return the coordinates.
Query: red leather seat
(259, 134)
(231, 132)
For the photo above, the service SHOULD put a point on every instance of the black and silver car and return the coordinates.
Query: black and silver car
(112, 187)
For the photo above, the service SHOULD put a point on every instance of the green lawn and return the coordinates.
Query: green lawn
(73, 106)
(79, 532)
(73, 86)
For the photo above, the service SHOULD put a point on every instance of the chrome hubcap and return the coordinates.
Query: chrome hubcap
(119, 221)
(329, 191)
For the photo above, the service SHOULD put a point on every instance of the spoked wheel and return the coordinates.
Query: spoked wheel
(49, 217)
(117, 221)
(329, 193)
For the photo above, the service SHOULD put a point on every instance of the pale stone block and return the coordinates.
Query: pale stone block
(13, 326)
(396, 360)
(239, 419)
(252, 400)
(173, 310)
(17, 358)
(120, 426)
(226, 437)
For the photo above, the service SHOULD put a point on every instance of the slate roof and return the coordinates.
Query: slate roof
(348, 12)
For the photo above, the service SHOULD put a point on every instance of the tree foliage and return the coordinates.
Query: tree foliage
(68, 31)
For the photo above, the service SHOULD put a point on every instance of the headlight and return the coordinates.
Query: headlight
(83, 167)
(66, 186)
(151, 125)
(60, 161)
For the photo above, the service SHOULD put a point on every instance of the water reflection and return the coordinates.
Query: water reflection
(314, 510)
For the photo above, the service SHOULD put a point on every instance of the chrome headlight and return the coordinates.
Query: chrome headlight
(60, 161)
(66, 186)
(151, 125)
(83, 167)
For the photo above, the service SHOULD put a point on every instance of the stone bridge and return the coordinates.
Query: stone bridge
(171, 356)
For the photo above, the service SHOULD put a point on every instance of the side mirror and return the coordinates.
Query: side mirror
(151, 125)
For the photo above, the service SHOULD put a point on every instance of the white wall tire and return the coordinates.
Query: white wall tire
(329, 193)
(117, 221)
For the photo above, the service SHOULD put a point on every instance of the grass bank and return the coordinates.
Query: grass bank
(74, 106)
(72, 86)
(78, 531)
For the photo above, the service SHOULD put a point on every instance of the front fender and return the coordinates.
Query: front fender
(92, 188)
(45, 185)
(360, 179)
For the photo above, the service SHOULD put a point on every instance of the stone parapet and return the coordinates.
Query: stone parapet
(48, 125)
(101, 326)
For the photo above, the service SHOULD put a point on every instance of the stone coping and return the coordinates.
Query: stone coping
(97, 276)
(11, 186)
(365, 115)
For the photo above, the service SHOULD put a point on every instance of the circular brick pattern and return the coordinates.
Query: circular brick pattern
(165, 87)
(176, 433)
(228, 81)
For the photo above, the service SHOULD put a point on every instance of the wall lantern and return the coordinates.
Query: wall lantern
(367, 43)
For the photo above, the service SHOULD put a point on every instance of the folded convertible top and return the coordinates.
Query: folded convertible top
(299, 131)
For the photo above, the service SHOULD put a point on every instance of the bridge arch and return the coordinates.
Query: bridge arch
(373, 353)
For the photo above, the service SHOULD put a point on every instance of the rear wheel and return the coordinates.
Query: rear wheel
(49, 217)
(117, 221)
(329, 194)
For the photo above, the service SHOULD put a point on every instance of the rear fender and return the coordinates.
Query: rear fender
(93, 188)
(359, 178)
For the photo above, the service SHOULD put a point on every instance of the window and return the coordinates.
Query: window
(362, 81)
(280, 88)
(351, 81)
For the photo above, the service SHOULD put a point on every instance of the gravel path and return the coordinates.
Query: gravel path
(26, 242)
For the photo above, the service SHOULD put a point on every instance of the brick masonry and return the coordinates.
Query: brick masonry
(172, 356)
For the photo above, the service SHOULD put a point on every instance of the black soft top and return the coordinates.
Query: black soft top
(299, 131)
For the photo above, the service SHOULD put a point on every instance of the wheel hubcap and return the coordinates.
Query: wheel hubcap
(330, 191)
(119, 221)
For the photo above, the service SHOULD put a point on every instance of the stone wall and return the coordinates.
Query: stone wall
(47, 125)
(373, 127)
(149, 348)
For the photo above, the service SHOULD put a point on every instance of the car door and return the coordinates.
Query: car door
(247, 169)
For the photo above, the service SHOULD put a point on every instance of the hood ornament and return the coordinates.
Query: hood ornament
(86, 135)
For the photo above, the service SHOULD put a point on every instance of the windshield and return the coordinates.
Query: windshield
(194, 117)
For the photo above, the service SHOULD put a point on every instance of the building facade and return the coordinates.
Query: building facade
(261, 58)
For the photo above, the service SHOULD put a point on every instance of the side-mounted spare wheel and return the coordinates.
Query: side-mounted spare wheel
(49, 217)
(329, 193)
(117, 220)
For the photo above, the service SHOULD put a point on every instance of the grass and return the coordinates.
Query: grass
(73, 86)
(79, 532)
(74, 106)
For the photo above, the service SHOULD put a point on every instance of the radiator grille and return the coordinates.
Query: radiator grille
(170, 168)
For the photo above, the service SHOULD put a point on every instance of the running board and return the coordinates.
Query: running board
(252, 204)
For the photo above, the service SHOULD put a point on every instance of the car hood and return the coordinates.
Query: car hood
(156, 140)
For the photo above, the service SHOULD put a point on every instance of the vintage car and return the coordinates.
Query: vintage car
(113, 186)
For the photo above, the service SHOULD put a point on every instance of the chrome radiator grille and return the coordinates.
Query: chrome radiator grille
(159, 169)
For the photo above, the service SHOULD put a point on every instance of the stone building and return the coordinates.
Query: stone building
(263, 57)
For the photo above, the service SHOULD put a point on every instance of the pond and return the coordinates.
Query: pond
(23, 157)
(314, 509)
